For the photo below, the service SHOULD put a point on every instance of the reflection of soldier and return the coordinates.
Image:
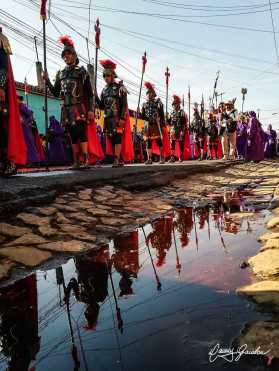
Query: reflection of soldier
(184, 224)
(126, 261)
(161, 238)
(91, 287)
(19, 323)
(203, 214)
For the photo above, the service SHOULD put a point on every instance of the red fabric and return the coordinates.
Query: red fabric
(166, 143)
(220, 151)
(95, 150)
(43, 9)
(187, 147)
(155, 148)
(109, 149)
(17, 151)
(177, 150)
(39, 146)
(197, 153)
(127, 151)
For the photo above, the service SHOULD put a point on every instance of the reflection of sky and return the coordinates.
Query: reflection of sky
(184, 66)
(181, 322)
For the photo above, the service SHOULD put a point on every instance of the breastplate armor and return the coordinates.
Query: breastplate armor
(152, 110)
(176, 120)
(71, 80)
(110, 97)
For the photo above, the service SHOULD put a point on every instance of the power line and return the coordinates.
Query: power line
(274, 34)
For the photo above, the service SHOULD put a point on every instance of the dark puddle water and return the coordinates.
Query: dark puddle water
(157, 299)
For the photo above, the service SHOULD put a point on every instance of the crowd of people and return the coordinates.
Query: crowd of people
(220, 132)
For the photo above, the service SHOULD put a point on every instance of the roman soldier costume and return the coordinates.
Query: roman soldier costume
(197, 127)
(212, 131)
(154, 117)
(12, 144)
(73, 85)
(178, 122)
(117, 129)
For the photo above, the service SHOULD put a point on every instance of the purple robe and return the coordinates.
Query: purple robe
(270, 144)
(241, 139)
(57, 152)
(256, 141)
(26, 120)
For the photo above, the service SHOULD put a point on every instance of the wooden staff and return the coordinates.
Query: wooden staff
(167, 74)
(144, 61)
(97, 43)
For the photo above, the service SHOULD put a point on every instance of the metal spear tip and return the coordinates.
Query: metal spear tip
(244, 91)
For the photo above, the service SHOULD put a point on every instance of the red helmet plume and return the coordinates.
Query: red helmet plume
(108, 64)
(176, 99)
(66, 40)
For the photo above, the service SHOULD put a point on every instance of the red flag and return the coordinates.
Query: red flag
(97, 34)
(43, 9)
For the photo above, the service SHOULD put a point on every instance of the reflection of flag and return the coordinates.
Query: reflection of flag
(26, 88)
(97, 34)
(43, 9)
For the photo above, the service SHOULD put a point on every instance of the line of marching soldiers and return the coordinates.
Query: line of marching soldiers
(202, 137)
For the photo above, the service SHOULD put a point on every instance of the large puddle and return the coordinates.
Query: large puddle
(157, 299)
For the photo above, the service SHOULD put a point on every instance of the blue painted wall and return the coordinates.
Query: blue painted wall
(36, 102)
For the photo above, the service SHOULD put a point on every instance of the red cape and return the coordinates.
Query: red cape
(39, 146)
(17, 151)
(127, 151)
(95, 150)
(186, 150)
(166, 144)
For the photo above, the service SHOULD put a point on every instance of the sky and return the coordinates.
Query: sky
(195, 41)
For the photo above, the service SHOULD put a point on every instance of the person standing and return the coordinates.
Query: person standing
(178, 122)
(212, 132)
(72, 84)
(154, 117)
(197, 127)
(255, 139)
(113, 101)
(241, 137)
(13, 149)
(271, 140)
(27, 120)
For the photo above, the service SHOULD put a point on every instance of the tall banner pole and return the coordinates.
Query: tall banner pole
(97, 43)
(189, 104)
(43, 17)
(167, 74)
(215, 87)
(144, 61)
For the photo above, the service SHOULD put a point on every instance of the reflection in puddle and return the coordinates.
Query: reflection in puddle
(161, 296)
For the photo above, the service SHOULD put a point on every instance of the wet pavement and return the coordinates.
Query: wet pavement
(157, 298)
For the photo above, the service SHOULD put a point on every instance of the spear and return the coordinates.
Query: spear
(215, 85)
(178, 265)
(189, 103)
(167, 74)
(118, 312)
(195, 226)
(97, 43)
(159, 285)
(43, 17)
(144, 61)
(61, 281)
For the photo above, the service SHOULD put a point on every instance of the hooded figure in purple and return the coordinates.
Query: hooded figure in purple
(27, 119)
(256, 139)
(271, 141)
(241, 137)
(57, 152)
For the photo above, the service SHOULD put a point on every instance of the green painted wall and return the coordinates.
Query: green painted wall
(36, 102)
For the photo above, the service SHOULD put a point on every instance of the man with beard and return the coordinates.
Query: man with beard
(154, 117)
(73, 85)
